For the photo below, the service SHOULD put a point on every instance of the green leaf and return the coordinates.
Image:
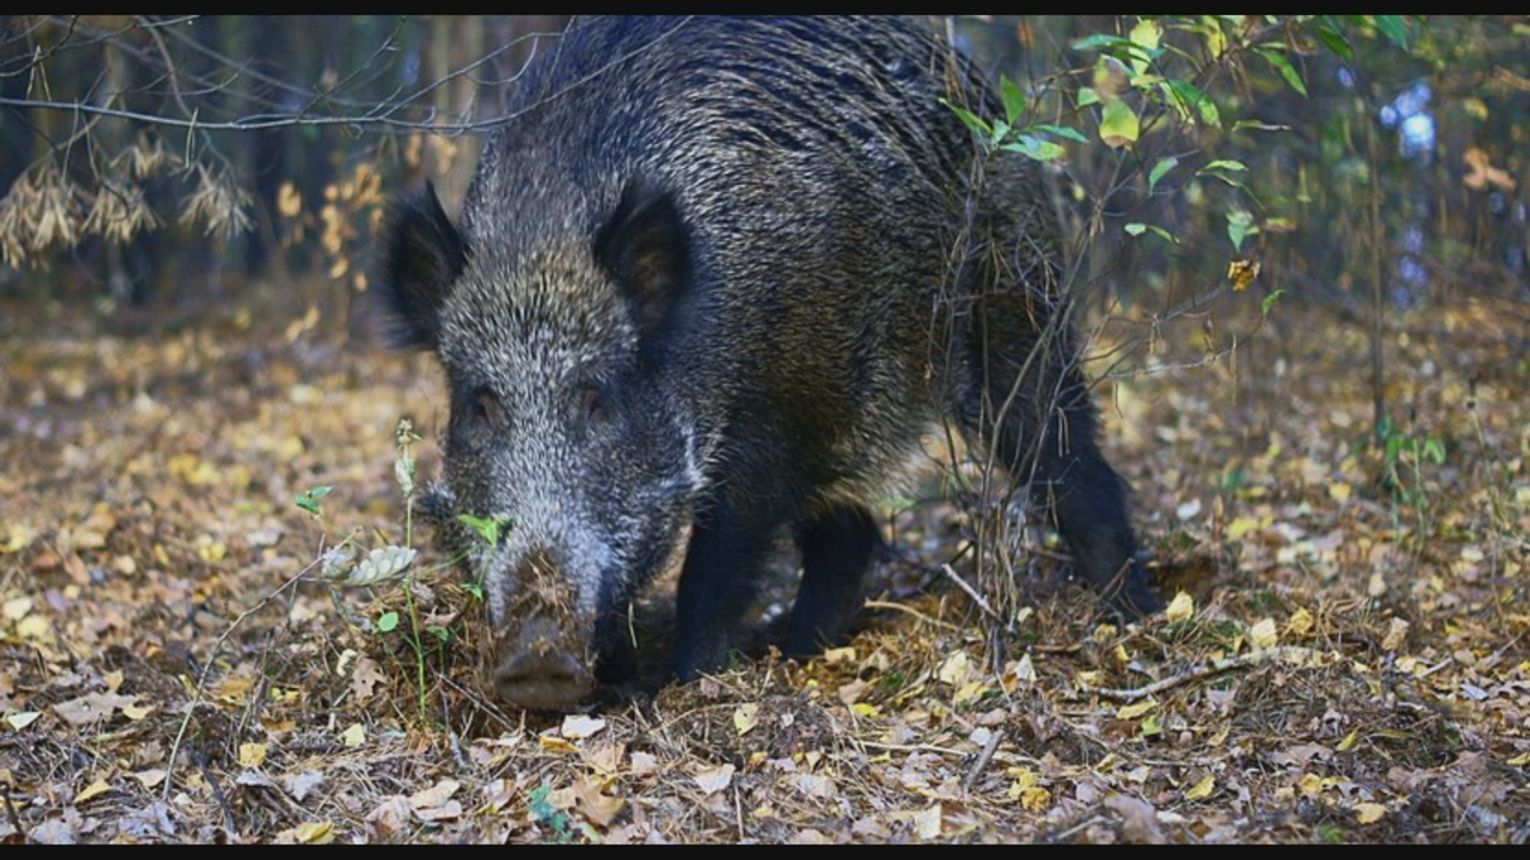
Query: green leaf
(309, 501)
(1035, 148)
(1119, 125)
(1087, 96)
(1014, 99)
(977, 124)
(1163, 166)
(1434, 449)
(1058, 131)
(1146, 34)
(1269, 301)
(1286, 70)
(491, 529)
(1185, 96)
(1137, 229)
(1395, 29)
(1211, 30)
(1222, 164)
(1330, 35)
(388, 622)
(1098, 41)
(1238, 225)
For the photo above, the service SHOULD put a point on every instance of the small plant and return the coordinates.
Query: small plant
(539, 804)
(1404, 455)
(351, 563)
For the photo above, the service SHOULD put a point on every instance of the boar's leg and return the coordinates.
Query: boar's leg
(1088, 499)
(836, 555)
(723, 564)
(1086, 496)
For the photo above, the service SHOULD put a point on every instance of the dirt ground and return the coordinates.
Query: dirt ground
(1346, 660)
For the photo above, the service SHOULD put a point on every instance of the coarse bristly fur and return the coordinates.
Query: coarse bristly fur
(727, 272)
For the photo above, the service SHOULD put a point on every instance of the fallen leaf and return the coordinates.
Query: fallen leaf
(745, 718)
(150, 778)
(252, 755)
(715, 779)
(95, 789)
(598, 808)
(928, 823)
(436, 795)
(1263, 634)
(1300, 624)
(1397, 631)
(1180, 608)
(1369, 813)
(577, 727)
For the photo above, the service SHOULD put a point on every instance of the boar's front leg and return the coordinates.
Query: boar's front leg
(836, 555)
(723, 565)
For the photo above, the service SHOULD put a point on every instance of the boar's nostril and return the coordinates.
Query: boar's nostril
(543, 680)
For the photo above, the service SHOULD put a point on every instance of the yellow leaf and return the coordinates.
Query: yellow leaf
(32, 627)
(95, 789)
(19, 537)
(1202, 789)
(1035, 799)
(1339, 491)
(1300, 624)
(835, 656)
(315, 833)
(288, 201)
(553, 743)
(252, 755)
(969, 693)
(746, 718)
(1242, 526)
(955, 669)
(1263, 634)
(1180, 608)
(1349, 741)
(864, 709)
(17, 609)
(354, 736)
(1369, 813)
(1242, 273)
(1132, 712)
(1520, 760)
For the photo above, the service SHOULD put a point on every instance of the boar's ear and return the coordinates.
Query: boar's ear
(426, 254)
(645, 245)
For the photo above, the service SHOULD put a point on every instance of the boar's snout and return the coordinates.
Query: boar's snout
(540, 672)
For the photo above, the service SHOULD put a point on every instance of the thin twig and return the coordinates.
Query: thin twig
(971, 592)
(1205, 670)
(982, 760)
(212, 659)
(909, 610)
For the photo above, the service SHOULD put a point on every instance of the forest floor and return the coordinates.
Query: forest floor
(1345, 659)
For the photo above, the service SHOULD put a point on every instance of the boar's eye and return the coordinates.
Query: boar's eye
(592, 407)
(484, 410)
